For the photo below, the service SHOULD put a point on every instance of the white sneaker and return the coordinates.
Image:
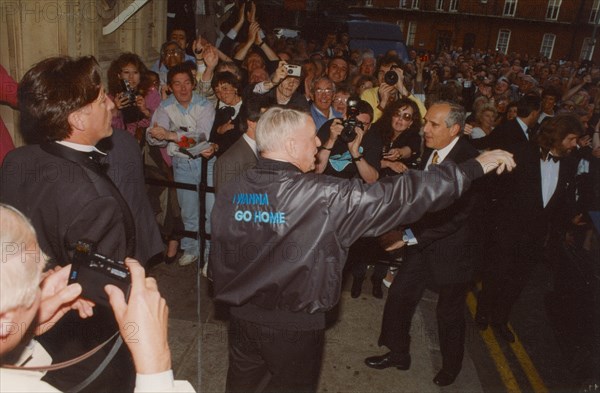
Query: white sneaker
(187, 259)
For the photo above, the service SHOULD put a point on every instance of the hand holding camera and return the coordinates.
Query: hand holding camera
(142, 320)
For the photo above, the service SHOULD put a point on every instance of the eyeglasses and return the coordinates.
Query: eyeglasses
(172, 52)
(405, 116)
(324, 91)
(340, 100)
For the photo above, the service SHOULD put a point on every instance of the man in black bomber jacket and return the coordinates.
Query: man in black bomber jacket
(281, 236)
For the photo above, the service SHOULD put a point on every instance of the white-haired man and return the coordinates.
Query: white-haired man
(32, 301)
(282, 237)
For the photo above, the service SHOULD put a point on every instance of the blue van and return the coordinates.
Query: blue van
(377, 36)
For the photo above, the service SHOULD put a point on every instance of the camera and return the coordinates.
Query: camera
(390, 77)
(293, 70)
(93, 271)
(348, 133)
(128, 91)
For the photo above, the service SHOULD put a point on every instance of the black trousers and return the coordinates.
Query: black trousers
(363, 252)
(503, 280)
(404, 295)
(265, 359)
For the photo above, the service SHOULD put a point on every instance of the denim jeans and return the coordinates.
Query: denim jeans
(186, 170)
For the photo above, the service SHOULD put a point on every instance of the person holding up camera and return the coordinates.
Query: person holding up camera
(347, 149)
(282, 88)
(133, 107)
(391, 87)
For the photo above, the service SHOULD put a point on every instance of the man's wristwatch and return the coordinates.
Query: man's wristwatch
(356, 159)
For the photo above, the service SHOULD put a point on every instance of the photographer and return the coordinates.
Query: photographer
(347, 148)
(282, 88)
(31, 302)
(391, 87)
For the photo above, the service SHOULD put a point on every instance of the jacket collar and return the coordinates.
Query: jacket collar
(267, 163)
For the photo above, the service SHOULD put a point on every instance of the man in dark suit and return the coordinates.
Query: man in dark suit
(243, 154)
(59, 185)
(513, 132)
(441, 247)
(533, 213)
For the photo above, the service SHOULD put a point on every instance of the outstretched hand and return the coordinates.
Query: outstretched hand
(499, 160)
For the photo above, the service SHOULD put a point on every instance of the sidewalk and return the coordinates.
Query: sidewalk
(348, 341)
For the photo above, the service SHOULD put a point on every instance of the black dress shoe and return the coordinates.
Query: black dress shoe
(356, 288)
(377, 291)
(481, 321)
(391, 359)
(444, 378)
(505, 333)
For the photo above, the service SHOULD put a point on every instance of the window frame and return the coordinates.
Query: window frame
(553, 9)
(544, 45)
(510, 5)
(411, 32)
(501, 34)
(594, 12)
(453, 7)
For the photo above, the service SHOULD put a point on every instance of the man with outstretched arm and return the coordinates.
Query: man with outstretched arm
(281, 239)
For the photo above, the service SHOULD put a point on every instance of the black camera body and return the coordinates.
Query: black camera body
(129, 92)
(348, 133)
(93, 271)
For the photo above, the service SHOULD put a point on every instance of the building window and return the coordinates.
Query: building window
(503, 40)
(594, 13)
(547, 45)
(415, 4)
(453, 6)
(368, 3)
(587, 49)
(439, 5)
(510, 7)
(410, 34)
(553, 8)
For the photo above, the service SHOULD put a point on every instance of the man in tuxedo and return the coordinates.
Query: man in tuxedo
(532, 215)
(441, 247)
(513, 132)
(62, 188)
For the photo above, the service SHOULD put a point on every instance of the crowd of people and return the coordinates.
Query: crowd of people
(250, 113)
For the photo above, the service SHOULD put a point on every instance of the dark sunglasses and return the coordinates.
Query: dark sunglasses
(406, 116)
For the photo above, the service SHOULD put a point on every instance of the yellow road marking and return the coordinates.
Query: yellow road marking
(520, 353)
(506, 374)
(527, 365)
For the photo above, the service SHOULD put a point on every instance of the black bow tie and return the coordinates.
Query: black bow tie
(551, 157)
(95, 156)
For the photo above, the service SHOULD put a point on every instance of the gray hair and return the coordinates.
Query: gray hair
(22, 260)
(367, 54)
(456, 115)
(317, 80)
(276, 126)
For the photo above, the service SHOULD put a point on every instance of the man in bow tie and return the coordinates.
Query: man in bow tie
(533, 214)
(68, 197)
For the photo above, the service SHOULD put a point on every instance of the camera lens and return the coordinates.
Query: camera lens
(390, 77)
